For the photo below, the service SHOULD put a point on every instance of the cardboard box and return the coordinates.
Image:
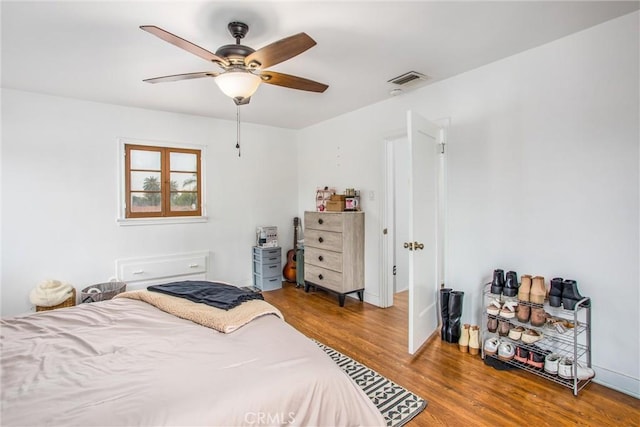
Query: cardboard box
(338, 197)
(335, 205)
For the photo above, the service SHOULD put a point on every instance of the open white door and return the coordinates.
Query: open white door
(422, 219)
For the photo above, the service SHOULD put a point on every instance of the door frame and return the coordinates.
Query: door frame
(388, 216)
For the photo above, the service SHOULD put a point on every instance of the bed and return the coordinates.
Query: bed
(126, 362)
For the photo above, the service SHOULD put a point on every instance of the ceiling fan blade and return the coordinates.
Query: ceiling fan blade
(293, 82)
(279, 51)
(176, 77)
(184, 44)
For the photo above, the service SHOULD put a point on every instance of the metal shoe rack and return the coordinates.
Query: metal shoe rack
(574, 344)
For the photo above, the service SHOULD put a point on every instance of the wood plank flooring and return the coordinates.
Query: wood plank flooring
(460, 388)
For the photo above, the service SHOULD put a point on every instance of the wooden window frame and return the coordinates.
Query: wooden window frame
(165, 179)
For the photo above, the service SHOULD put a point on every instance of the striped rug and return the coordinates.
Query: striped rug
(397, 404)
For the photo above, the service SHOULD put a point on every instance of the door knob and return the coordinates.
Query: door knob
(417, 245)
(408, 245)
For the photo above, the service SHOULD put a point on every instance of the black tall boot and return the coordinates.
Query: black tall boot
(497, 284)
(444, 311)
(511, 284)
(455, 314)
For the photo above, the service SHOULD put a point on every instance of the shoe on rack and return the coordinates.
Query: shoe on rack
(494, 307)
(536, 360)
(538, 316)
(585, 372)
(522, 354)
(497, 284)
(530, 336)
(571, 296)
(474, 343)
(504, 327)
(491, 346)
(508, 310)
(565, 368)
(506, 351)
(538, 290)
(463, 342)
(492, 324)
(523, 312)
(516, 333)
(525, 288)
(551, 364)
(511, 284)
(555, 292)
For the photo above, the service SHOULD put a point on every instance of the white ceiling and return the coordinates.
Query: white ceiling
(95, 51)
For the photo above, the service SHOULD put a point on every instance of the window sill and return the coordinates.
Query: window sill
(126, 222)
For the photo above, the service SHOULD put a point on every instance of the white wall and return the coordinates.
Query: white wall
(543, 177)
(59, 192)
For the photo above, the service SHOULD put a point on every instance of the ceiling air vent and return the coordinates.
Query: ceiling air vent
(411, 78)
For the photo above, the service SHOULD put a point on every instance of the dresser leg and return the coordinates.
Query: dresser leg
(360, 296)
(306, 287)
(341, 300)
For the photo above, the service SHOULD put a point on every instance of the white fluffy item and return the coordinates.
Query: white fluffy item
(50, 292)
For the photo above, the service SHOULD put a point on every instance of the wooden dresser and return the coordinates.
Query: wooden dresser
(334, 252)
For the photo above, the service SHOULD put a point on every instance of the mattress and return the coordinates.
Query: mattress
(124, 362)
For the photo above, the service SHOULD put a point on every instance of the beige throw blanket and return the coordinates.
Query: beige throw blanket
(225, 321)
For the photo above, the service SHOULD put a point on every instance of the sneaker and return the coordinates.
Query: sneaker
(506, 351)
(585, 372)
(565, 368)
(551, 364)
(491, 346)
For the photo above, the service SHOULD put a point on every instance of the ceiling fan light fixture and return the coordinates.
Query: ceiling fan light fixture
(238, 84)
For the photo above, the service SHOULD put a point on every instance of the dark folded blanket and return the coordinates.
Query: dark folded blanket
(215, 294)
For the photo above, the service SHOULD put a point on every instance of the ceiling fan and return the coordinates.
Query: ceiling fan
(243, 68)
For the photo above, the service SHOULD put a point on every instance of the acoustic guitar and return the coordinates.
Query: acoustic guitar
(289, 271)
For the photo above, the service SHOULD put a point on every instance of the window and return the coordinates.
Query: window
(162, 181)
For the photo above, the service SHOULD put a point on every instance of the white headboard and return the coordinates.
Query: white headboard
(140, 272)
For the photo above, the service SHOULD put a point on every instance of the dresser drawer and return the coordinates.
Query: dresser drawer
(322, 221)
(323, 277)
(324, 258)
(323, 239)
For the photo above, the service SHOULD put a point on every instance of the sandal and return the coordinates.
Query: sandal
(508, 310)
(494, 307)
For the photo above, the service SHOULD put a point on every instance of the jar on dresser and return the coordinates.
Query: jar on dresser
(334, 252)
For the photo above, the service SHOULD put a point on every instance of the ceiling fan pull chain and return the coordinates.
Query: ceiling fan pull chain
(238, 129)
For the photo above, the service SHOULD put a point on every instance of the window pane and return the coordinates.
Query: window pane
(145, 202)
(147, 181)
(143, 159)
(184, 181)
(183, 162)
(184, 201)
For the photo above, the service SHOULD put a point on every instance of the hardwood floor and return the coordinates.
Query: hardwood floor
(460, 388)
